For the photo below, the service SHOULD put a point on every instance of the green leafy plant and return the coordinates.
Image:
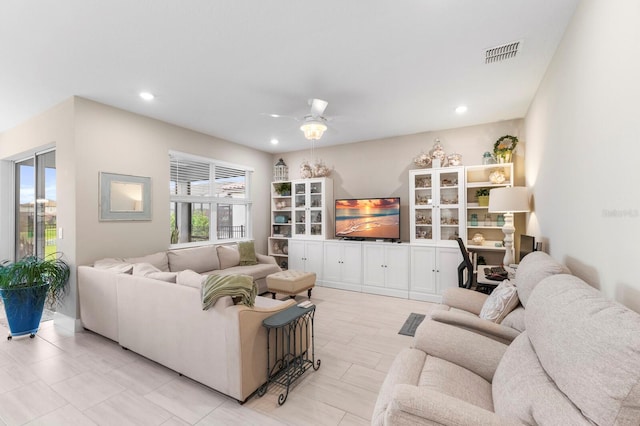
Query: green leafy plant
(33, 271)
(482, 192)
(282, 187)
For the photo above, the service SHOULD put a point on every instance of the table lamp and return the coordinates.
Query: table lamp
(509, 200)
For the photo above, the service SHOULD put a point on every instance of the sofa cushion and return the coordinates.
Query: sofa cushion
(522, 390)
(258, 271)
(534, 268)
(458, 382)
(502, 300)
(590, 346)
(229, 256)
(116, 265)
(247, 253)
(190, 278)
(198, 259)
(515, 319)
(150, 271)
(159, 260)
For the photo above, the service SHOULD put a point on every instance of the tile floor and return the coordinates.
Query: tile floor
(85, 379)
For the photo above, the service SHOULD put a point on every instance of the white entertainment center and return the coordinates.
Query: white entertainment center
(439, 201)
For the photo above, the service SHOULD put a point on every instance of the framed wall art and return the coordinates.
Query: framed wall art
(124, 197)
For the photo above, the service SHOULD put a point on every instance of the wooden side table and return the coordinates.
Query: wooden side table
(294, 347)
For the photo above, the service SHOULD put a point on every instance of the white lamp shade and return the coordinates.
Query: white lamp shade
(514, 199)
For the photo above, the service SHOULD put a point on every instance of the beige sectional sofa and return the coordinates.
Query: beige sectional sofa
(152, 305)
(576, 363)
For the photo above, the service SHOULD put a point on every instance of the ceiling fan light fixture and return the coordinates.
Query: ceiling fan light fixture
(313, 129)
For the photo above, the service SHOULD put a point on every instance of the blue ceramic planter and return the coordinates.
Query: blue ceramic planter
(24, 307)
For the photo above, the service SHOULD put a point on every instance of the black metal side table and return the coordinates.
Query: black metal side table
(292, 328)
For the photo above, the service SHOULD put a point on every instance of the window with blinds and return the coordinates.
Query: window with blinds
(205, 191)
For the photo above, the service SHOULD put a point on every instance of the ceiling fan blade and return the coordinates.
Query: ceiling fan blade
(270, 115)
(317, 107)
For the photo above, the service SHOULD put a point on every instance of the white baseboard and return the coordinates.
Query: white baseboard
(69, 324)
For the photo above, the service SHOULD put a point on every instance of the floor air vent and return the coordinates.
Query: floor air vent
(502, 52)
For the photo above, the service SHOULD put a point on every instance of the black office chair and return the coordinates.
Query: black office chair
(465, 264)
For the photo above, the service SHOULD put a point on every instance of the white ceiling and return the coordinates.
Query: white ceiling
(219, 67)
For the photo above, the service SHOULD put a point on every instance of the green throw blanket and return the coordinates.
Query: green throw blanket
(237, 286)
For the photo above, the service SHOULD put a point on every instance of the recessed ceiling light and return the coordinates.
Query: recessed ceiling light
(461, 109)
(274, 141)
(147, 96)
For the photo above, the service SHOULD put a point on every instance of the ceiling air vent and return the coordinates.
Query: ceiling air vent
(502, 52)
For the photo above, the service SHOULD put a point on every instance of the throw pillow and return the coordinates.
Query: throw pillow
(143, 269)
(247, 253)
(190, 278)
(500, 302)
(113, 264)
(149, 271)
(229, 256)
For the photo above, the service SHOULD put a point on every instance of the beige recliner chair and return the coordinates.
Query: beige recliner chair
(577, 363)
(462, 307)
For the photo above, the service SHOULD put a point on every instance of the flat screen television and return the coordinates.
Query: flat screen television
(368, 218)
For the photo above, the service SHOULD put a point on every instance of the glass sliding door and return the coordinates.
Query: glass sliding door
(25, 208)
(36, 208)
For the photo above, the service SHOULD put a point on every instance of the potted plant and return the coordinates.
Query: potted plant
(483, 196)
(25, 285)
(282, 188)
(503, 148)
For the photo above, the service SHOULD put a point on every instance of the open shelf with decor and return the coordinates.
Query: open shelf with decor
(299, 209)
(484, 229)
(281, 222)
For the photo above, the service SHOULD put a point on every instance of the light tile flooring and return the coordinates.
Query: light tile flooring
(85, 379)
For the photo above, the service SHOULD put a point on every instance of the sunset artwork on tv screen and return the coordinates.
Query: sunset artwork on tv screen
(377, 218)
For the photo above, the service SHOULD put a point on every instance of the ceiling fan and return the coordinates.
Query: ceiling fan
(314, 123)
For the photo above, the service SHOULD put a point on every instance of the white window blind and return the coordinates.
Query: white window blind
(210, 199)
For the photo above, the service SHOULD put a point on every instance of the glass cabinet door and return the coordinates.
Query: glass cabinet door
(423, 210)
(449, 202)
(436, 205)
(309, 205)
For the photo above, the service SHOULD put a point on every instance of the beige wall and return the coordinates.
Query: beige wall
(92, 138)
(51, 128)
(116, 141)
(582, 133)
(380, 168)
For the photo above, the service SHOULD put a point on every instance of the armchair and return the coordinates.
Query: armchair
(577, 363)
(462, 307)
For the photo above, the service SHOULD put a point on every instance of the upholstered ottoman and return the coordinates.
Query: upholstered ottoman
(291, 282)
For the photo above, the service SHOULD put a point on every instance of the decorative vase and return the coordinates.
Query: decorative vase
(483, 200)
(422, 160)
(487, 158)
(306, 171)
(500, 220)
(438, 156)
(455, 159)
(504, 157)
(474, 219)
